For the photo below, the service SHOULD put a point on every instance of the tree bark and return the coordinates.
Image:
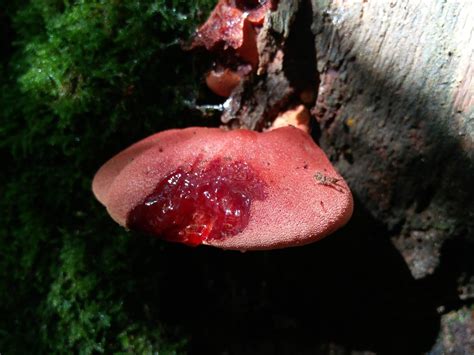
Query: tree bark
(394, 89)
(396, 112)
(396, 109)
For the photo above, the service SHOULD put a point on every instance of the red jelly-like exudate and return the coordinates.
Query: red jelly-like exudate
(210, 200)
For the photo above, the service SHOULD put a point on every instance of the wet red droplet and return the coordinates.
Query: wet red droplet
(206, 201)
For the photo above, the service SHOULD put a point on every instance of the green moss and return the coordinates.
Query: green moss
(82, 79)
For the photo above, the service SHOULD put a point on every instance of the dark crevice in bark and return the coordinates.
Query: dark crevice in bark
(456, 264)
(287, 68)
(299, 64)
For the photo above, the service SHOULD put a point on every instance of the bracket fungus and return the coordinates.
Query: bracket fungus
(237, 189)
(223, 81)
(232, 189)
(231, 31)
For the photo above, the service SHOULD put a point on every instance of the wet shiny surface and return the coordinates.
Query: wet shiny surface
(206, 201)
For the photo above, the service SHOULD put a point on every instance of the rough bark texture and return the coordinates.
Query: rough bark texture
(395, 113)
(287, 68)
(396, 110)
(395, 106)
